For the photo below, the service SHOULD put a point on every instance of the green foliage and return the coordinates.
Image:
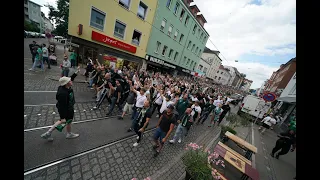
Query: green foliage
(236, 120)
(224, 129)
(196, 162)
(60, 16)
(30, 26)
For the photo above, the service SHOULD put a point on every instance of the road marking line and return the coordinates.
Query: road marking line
(253, 155)
(83, 153)
(268, 168)
(40, 91)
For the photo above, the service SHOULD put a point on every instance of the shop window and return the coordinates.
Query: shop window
(204, 39)
(125, 3)
(158, 47)
(119, 29)
(186, 21)
(175, 56)
(170, 53)
(200, 67)
(175, 35)
(182, 14)
(97, 19)
(181, 38)
(170, 30)
(164, 50)
(176, 8)
(198, 32)
(142, 10)
(136, 37)
(168, 3)
(189, 44)
(163, 24)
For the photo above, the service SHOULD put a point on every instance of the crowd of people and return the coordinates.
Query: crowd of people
(177, 100)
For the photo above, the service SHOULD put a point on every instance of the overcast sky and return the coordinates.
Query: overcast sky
(260, 34)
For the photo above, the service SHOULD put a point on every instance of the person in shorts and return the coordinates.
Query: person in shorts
(164, 128)
(65, 105)
(129, 104)
(267, 122)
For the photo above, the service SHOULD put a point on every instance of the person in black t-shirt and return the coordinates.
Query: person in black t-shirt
(142, 121)
(115, 97)
(226, 109)
(286, 141)
(164, 128)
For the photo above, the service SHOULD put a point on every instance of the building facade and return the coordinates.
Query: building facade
(32, 13)
(281, 77)
(222, 76)
(47, 24)
(235, 79)
(114, 32)
(289, 92)
(215, 62)
(247, 85)
(203, 66)
(177, 38)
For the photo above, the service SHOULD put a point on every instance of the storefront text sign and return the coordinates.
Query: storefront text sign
(186, 71)
(159, 61)
(112, 42)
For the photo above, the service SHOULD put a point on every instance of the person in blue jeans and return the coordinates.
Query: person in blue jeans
(184, 122)
(140, 99)
(38, 59)
(65, 66)
(163, 129)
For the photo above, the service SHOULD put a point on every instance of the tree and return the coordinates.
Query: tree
(243, 75)
(31, 26)
(60, 16)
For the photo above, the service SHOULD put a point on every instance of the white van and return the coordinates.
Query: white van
(255, 106)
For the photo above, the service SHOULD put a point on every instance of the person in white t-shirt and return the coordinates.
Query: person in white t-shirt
(141, 98)
(196, 111)
(45, 55)
(158, 102)
(267, 122)
(165, 103)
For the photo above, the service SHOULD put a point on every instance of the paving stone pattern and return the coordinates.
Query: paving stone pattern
(47, 118)
(123, 161)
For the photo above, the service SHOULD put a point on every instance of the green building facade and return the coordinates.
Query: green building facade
(177, 37)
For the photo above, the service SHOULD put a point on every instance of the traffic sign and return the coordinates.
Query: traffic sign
(269, 97)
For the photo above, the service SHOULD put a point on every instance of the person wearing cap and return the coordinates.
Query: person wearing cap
(65, 105)
(65, 66)
(164, 128)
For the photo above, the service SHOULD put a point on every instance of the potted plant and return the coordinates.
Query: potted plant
(224, 129)
(197, 161)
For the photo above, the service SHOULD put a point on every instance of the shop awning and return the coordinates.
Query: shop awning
(287, 99)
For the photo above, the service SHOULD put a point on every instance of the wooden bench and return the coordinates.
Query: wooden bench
(234, 152)
(238, 163)
(250, 148)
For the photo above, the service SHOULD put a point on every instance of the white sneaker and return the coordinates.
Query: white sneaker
(179, 141)
(171, 141)
(72, 135)
(31, 69)
(45, 135)
(50, 139)
(157, 116)
(135, 144)
(137, 137)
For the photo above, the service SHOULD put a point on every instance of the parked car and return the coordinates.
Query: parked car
(25, 34)
(43, 36)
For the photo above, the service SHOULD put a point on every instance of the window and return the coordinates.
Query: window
(125, 3)
(175, 56)
(97, 19)
(199, 32)
(189, 44)
(215, 77)
(204, 38)
(142, 10)
(217, 71)
(188, 61)
(170, 53)
(163, 24)
(221, 72)
(186, 21)
(201, 36)
(191, 64)
(194, 29)
(181, 38)
(184, 59)
(196, 50)
(199, 53)
(168, 3)
(200, 67)
(158, 47)
(194, 65)
(119, 29)
(205, 70)
(219, 78)
(176, 8)
(182, 14)
(136, 37)
(192, 47)
(170, 30)
(176, 35)
(164, 50)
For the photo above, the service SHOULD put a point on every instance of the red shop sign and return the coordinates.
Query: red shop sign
(112, 42)
(110, 58)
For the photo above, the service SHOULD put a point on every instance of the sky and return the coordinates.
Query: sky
(259, 34)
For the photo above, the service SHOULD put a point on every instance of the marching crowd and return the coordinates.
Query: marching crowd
(177, 100)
